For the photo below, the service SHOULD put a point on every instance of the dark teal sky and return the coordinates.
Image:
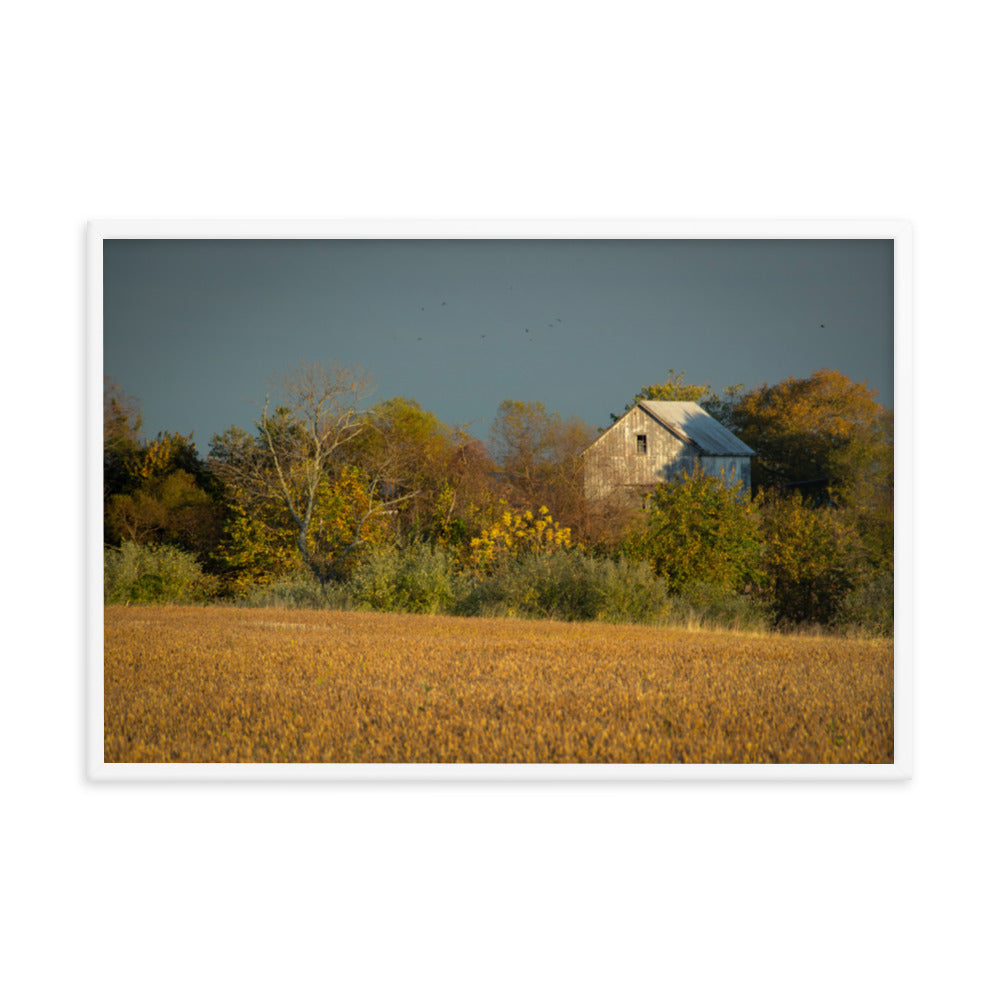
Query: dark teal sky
(195, 328)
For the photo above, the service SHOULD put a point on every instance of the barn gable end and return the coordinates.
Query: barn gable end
(656, 441)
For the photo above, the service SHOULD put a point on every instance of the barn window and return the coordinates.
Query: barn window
(640, 444)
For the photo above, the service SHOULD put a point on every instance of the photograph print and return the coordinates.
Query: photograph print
(439, 499)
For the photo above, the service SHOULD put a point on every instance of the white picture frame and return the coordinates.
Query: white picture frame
(900, 232)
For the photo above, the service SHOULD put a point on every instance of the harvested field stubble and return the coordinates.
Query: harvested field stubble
(235, 685)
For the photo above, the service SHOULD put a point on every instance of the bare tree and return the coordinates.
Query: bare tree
(320, 413)
(300, 449)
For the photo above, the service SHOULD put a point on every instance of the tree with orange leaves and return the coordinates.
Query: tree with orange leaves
(824, 427)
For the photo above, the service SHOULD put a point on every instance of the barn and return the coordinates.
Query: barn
(655, 441)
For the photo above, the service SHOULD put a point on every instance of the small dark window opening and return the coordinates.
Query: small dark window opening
(640, 444)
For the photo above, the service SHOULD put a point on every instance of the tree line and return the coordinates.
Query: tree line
(335, 493)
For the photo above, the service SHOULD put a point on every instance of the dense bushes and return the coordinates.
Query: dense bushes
(416, 578)
(869, 608)
(567, 585)
(811, 575)
(776, 560)
(330, 506)
(296, 590)
(811, 560)
(423, 579)
(699, 530)
(138, 574)
(708, 607)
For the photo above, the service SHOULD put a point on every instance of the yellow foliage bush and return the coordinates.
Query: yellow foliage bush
(514, 533)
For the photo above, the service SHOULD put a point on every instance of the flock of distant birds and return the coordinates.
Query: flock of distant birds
(527, 329)
(482, 336)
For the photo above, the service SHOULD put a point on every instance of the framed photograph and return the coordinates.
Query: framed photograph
(499, 500)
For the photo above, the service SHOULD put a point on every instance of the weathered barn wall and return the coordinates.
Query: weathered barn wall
(614, 463)
(731, 469)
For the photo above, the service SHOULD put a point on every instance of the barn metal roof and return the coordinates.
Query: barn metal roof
(691, 423)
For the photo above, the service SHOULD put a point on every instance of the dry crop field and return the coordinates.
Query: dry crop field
(239, 685)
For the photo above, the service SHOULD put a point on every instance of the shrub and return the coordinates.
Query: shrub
(297, 590)
(513, 533)
(699, 529)
(811, 559)
(416, 578)
(629, 592)
(139, 574)
(568, 585)
(705, 606)
(869, 609)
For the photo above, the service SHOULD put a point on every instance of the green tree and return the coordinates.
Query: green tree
(699, 531)
(811, 559)
(408, 450)
(156, 492)
(169, 509)
(673, 388)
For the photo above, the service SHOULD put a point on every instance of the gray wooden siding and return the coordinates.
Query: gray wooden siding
(612, 463)
(735, 469)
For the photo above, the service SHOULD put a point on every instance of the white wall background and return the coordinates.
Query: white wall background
(305, 110)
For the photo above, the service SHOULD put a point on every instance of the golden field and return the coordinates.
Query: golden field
(239, 685)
